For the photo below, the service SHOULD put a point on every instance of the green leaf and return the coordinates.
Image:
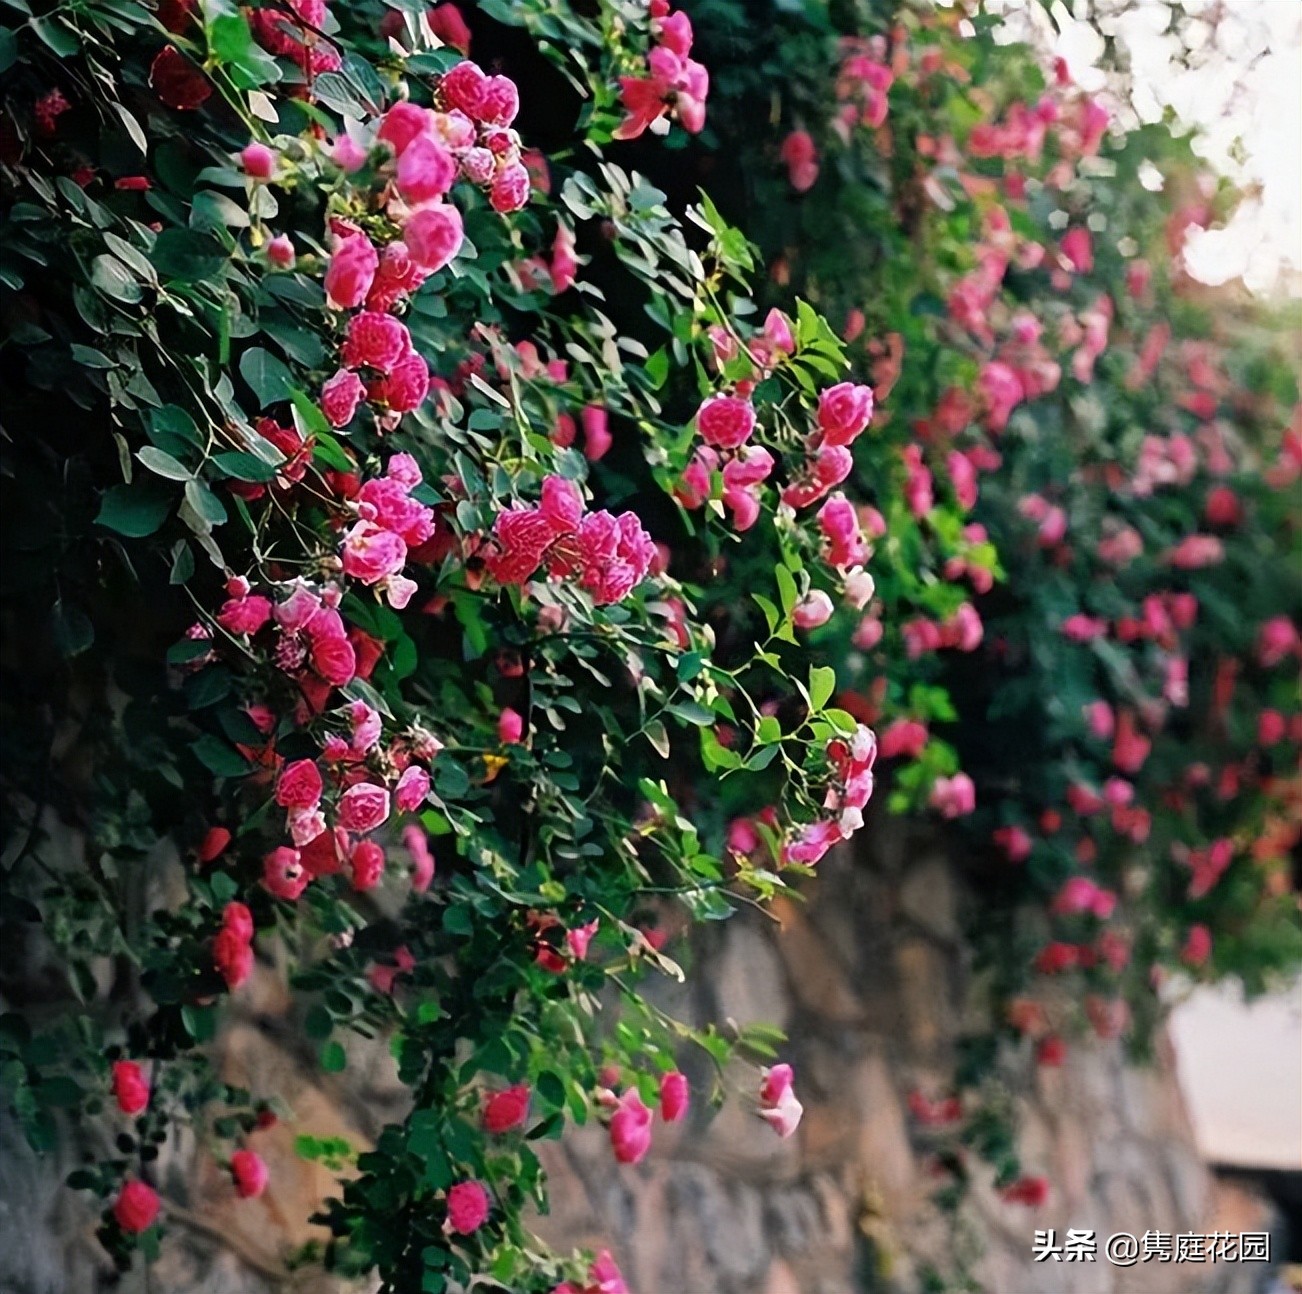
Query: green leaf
(219, 758)
(822, 683)
(786, 589)
(333, 1058)
(245, 467)
(60, 1092)
(318, 1023)
(186, 256)
(205, 502)
(715, 755)
(171, 420)
(163, 464)
(54, 34)
(550, 1088)
(691, 712)
(658, 737)
(113, 279)
(135, 510)
(268, 376)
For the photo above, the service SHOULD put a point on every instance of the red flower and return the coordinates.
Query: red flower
(446, 22)
(725, 422)
(249, 1172)
(130, 1087)
(674, 1096)
(506, 1110)
(468, 1207)
(299, 785)
(1031, 1191)
(233, 957)
(177, 81)
(630, 1128)
(136, 1207)
(213, 844)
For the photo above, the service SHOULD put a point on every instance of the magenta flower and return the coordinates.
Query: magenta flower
(350, 272)
(363, 807)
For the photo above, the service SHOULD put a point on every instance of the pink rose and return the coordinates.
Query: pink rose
(1196, 551)
(412, 788)
(367, 861)
(363, 807)
(422, 861)
(407, 386)
(903, 737)
(244, 615)
(462, 87)
(1015, 843)
(1102, 722)
(350, 272)
(237, 918)
(506, 1110)
(402, 125)
(800, 156)
(953, 797)
(778, 1105)
(498, 101)
(630, 1128)
(136, 1207)
(1081, 628)
(130, 1087)
(674, 1096)
(510, 727)
(426, 170)
(398, 277)
(1078, 248)
(280, 252)
(844, 411)
(1271, 727)
(371, 555)
(449, 26)
(468, 1207)
(579, 939)
(333, 657)
(433, 236)
(284, 875)
(510, 188)
(299, 785)
(1277, 640)
(564, 264)
(347, 154)
(233, 957)
(1130, 748)
(1003, 392)
(259, 161)
(596, 432)
(843, 541)
(1197, 946)
(814, 609)
(725, 421)
(478, 165)
(340, 396)
(375, 339)
(249, 1173)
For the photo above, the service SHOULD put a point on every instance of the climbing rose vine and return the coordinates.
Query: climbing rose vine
(453, 554)
(418, 682)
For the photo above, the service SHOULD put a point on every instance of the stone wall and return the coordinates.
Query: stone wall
(870, 977)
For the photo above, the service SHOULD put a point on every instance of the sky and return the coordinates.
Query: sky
(1241, 87)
